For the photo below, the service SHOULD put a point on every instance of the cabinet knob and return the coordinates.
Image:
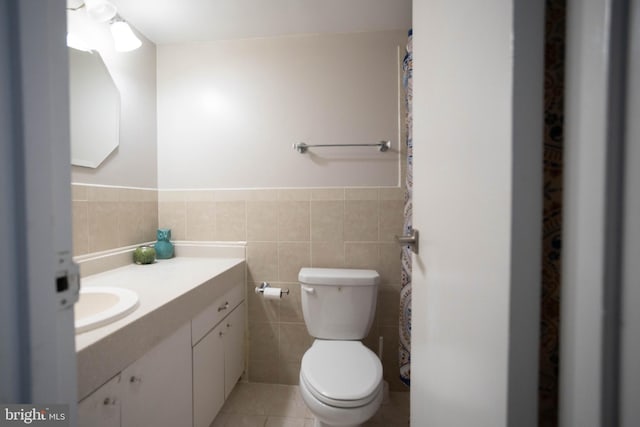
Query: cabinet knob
(221, 334)
(228, 325)
(109, 401)
(134, 380)
(224, 306)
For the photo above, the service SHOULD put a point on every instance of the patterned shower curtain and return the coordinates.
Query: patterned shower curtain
(405, 291)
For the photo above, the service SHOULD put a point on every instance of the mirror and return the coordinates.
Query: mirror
(95, 109)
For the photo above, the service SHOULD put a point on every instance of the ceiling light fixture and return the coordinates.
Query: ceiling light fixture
(74, 40)
(123, 37)
(101, 10)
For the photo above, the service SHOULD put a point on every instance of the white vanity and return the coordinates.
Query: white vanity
(175, 359)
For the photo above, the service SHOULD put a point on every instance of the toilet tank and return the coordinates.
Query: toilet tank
(338, 303)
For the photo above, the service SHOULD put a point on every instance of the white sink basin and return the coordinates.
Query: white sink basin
(101, 305)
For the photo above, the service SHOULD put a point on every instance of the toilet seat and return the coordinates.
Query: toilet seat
(342, 374)
(335, 403)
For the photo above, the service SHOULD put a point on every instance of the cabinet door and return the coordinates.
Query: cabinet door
(208, 377)
(156, 389)
(233, 348)
(102, 407)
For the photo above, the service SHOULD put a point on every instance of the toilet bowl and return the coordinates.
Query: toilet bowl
(341, 382)
(340, 378)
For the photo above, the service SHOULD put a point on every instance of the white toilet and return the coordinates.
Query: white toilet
(340, 378)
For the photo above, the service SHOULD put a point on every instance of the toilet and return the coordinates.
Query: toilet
(340, 378)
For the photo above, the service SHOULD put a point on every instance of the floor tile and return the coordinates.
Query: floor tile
(288, 422)
(278, 405)
(239, 420)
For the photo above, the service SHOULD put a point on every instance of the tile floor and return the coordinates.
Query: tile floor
(276, 405)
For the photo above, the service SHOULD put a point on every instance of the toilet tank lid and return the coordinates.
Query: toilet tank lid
(338, 276)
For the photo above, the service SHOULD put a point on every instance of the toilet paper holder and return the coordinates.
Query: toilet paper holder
(260, 289)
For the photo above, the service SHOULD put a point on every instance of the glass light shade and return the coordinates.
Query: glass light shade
(76, 42)
(123, 37)
(100, 10)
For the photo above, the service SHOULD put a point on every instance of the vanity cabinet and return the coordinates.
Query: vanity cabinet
(155, 390)
(208, 372)
(233, 334)
(184, 379)
(218, 354)
(102, 407)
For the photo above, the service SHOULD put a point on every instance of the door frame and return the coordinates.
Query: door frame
(597, 234)
(36, 244)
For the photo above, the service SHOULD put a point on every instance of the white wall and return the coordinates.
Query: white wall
(478, 143)
(229, 111)
(134, 162)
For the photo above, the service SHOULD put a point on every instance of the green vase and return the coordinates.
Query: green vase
(145, 254)
(164, 248)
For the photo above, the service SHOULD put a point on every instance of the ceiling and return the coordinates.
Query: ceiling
(179, 21)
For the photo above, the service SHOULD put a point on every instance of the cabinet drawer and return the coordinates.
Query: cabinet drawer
(212, 315)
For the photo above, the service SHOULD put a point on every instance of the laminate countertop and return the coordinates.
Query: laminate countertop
(171, 292)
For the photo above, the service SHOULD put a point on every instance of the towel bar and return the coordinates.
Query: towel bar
(302, 147)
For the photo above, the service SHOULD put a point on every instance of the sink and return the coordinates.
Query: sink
(101, 305)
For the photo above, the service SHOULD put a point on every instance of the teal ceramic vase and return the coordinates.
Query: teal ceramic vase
(164, 248)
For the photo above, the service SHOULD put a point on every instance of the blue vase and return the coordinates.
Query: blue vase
(164, 248)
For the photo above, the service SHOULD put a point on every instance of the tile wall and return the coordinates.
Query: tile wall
(287, 229)
(110, 217)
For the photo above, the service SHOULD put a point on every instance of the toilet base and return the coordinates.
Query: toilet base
(328, 416)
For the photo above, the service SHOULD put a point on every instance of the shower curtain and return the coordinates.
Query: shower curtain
(405, 290)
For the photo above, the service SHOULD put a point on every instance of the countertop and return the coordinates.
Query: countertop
(171, 293)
